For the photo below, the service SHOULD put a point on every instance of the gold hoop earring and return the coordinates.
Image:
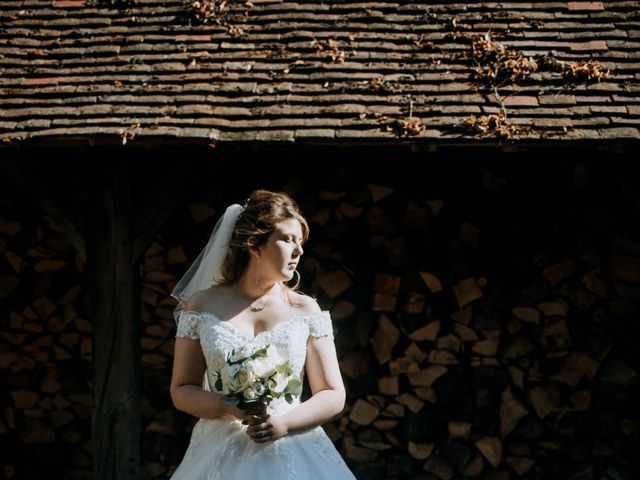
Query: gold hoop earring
(297, 273)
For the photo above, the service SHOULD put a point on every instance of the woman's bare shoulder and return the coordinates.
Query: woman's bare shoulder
(307, 303)
(204, 300)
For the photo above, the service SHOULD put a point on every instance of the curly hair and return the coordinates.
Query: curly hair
(262, 211)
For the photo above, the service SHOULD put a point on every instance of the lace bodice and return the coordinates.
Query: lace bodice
(218, 337)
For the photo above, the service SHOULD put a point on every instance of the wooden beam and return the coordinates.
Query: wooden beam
(33, 180)
(113, 285)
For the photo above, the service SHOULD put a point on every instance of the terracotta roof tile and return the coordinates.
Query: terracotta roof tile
(305, 71)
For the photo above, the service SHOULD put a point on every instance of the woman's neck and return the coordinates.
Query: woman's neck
(246, 285)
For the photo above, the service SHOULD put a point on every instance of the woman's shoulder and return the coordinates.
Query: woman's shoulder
(204, 300)
(308, 305)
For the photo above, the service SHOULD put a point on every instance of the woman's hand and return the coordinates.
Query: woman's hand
(235, 411)
(264, 428)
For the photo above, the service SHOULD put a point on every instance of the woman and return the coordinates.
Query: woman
(236, 294)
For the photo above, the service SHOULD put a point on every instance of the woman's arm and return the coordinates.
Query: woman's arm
(186, 390)
(327, 388)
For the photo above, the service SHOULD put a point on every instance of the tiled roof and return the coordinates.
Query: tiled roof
(267, 70)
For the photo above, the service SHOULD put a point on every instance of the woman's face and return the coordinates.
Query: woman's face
(280, 255)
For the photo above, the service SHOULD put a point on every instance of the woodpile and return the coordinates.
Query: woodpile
(478, 336)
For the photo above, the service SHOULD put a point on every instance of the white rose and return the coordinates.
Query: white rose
(241, 380)
(263, 366)
(278, 383)
(249, 394)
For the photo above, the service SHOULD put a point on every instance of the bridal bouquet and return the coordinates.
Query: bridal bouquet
(256, 374)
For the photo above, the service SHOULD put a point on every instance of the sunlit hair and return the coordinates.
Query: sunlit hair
(263, 210)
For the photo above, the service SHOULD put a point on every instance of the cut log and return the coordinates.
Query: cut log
(427, 376)
(555, 336)
(466, 291)
(420, 451)
(383, 283)
(440, 357)
(469, 233)
(450, 343)
(465, 333)
(176, 255)
(403, 365)
(459, 430)
(383, 425)
(343, 309)
(414, 303)
(60, 418)
(511, 411)
(411, 402)
(514, 325)
(623, 268)
(363, 413)
(355, 453)
(355, 364)
(149, 297)
(439, 467)
(24, 399)
(322, 216)
(595, 285)
(394, 410)
(474, 467)
(520, 465)
(349, 210)
(527, 314)
(544, 399)
(11, 228)
(463, 315)
(50, 383)
(487, 347)
(580, 400)
(555, 274)
(384, 339)
(491, 449)
(378, 192)
(414, 351)
(158, 276)
(58, 323)
(43, 266)
(554, 308)
(389, 385)
(334, 283)
(426, 393)
(431, 281)
(7, 359)
(575, 367)
(427, 333)
(517, 376)
(15, 261)
(36, 431)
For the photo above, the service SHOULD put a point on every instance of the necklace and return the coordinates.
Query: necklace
(258, 308)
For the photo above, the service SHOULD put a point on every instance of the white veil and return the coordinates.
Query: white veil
(207, 268)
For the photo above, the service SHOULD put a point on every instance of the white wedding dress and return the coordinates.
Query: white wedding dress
(220, 448)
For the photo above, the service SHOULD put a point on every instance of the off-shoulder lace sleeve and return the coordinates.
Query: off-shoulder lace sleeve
(189, 325)
(320, 325)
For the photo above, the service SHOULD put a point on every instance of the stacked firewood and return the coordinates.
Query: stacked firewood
(479, 334)
(45, 353)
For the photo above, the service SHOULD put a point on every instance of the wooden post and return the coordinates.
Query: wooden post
(116, 337)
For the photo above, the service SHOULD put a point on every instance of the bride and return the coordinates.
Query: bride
(236, 294)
